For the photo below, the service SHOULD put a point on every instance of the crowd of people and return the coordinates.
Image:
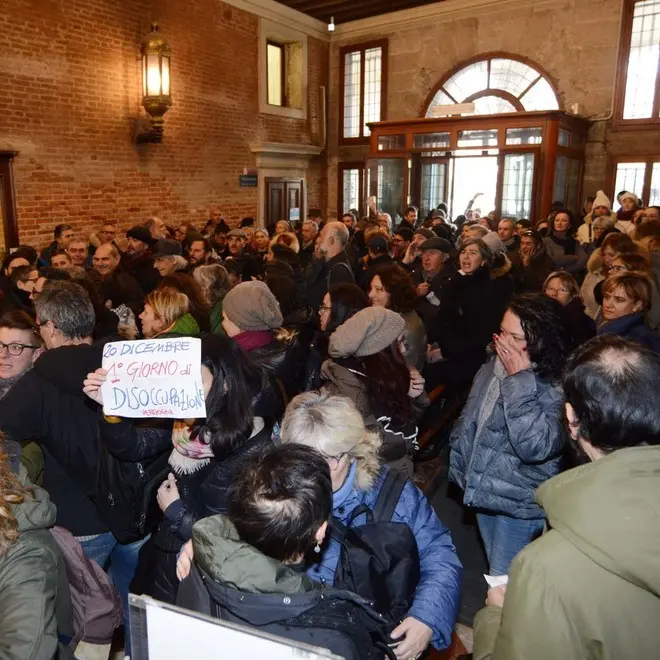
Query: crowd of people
(326, 348)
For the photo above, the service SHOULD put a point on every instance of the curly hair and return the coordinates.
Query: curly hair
(11, 492)
(548, 340)
(398, 283)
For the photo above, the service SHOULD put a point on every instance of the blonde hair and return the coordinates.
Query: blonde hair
(288, 239)
(12, 492)
(333, 425)
(169, 305)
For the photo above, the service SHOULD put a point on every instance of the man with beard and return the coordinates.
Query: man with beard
(590, 587)
(138, 261)
(200, 252)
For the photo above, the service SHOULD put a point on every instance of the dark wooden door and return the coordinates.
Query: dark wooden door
(284, 200)
(9, 236)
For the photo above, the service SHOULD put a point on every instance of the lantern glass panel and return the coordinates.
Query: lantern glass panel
(153, 75)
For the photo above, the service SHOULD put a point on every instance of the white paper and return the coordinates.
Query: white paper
(496, 580)
(175, 636)
(154, 378)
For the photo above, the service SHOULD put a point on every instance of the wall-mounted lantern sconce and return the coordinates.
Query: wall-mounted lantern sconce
(156, 98)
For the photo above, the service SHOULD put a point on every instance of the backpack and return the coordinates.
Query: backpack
(96, 604)
(126, 493)
(379, 560)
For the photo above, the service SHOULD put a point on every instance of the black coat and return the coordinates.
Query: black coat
(48, 404)
(322, 275)
(530, 278)
(581, 328)
(202, 494)
(470, 312)
(141, 268)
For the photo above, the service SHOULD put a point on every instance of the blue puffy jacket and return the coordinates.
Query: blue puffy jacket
(438, 592)
(518, 449)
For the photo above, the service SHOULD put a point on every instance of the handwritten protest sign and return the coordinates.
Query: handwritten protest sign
(154, 378)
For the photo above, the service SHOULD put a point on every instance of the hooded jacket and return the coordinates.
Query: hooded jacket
(48, 404)
(518, 448)
(235, 582)
(36, 603)
(589, 589)
(530, 278)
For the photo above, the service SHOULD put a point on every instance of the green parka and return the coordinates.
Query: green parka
(589, 589)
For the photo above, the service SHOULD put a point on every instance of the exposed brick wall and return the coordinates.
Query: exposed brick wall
(69, 98)
(574, 40)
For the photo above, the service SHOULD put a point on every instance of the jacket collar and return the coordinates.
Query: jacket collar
(623, 325)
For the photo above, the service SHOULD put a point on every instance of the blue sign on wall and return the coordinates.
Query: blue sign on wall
(248, 180)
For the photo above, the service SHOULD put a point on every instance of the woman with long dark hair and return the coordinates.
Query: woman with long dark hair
(368, 367)
(204, 452)
(509, 438)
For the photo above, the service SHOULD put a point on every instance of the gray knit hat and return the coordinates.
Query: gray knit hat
(366, 333)
(252, 306)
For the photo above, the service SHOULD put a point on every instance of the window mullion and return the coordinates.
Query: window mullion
(363, 60)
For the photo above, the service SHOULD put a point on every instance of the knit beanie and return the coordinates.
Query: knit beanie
(629, 195)
(602, 199)
(366, 333)
(252, 306)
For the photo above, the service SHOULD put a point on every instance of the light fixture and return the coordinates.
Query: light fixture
(156, 98)
(331, 24)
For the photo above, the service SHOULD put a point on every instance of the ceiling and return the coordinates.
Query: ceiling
(351, 10)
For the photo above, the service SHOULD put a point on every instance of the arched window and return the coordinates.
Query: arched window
(495, 84)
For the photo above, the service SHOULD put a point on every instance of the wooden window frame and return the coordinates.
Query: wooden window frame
(353, 165)
(648, 173)
(8, 200)
(282, 47)
(618, 121)
(362, 48)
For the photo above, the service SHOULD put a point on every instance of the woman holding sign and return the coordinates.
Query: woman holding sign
(204, 456)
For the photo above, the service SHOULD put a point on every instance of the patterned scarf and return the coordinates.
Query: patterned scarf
(189, 455)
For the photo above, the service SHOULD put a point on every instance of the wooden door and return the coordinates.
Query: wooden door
(284, 201)
(9, 229)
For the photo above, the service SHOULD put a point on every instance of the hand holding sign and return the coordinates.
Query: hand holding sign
(92, 385)
(150, 378)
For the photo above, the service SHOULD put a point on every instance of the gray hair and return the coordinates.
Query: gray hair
(313, 223)
(333, 425)
(179, 262)
(68, 307)
(214, 281)
(479, 229)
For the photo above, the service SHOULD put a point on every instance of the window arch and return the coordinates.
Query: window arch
(496, 84)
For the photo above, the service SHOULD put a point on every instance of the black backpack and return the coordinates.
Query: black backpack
(126, 493)
(379, 560)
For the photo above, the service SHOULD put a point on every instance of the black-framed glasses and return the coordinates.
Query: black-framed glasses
(14, 348)
(324, 308)
(334, 461)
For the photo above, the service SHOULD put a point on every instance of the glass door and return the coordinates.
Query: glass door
(434, 181)
(517, 184)
(385, 180)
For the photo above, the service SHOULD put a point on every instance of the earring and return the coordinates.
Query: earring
(317, 548)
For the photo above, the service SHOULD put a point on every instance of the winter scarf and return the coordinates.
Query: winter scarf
(189, 455)
(251, 340)
(568, 243)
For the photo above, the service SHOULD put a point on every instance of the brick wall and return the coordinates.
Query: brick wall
(574, 40)
(69, 99)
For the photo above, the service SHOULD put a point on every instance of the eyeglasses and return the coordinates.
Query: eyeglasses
(324, 308)
(616, 268)
(553, 292)
(15, 348)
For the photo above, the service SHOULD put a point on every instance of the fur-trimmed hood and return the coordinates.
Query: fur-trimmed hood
(595, 263)
(504, 268)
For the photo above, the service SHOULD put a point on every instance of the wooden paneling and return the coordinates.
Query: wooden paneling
(349, 10)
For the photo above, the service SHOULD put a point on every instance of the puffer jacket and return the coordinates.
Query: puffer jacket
(36, 603)
(519, 447)
(588, 589)
(233, 581)
(438, 592)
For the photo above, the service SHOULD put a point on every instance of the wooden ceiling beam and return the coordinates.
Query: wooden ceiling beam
(366, 10)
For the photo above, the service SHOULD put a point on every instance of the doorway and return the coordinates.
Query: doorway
(9, 232)
(475, 179)
(284, 201)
